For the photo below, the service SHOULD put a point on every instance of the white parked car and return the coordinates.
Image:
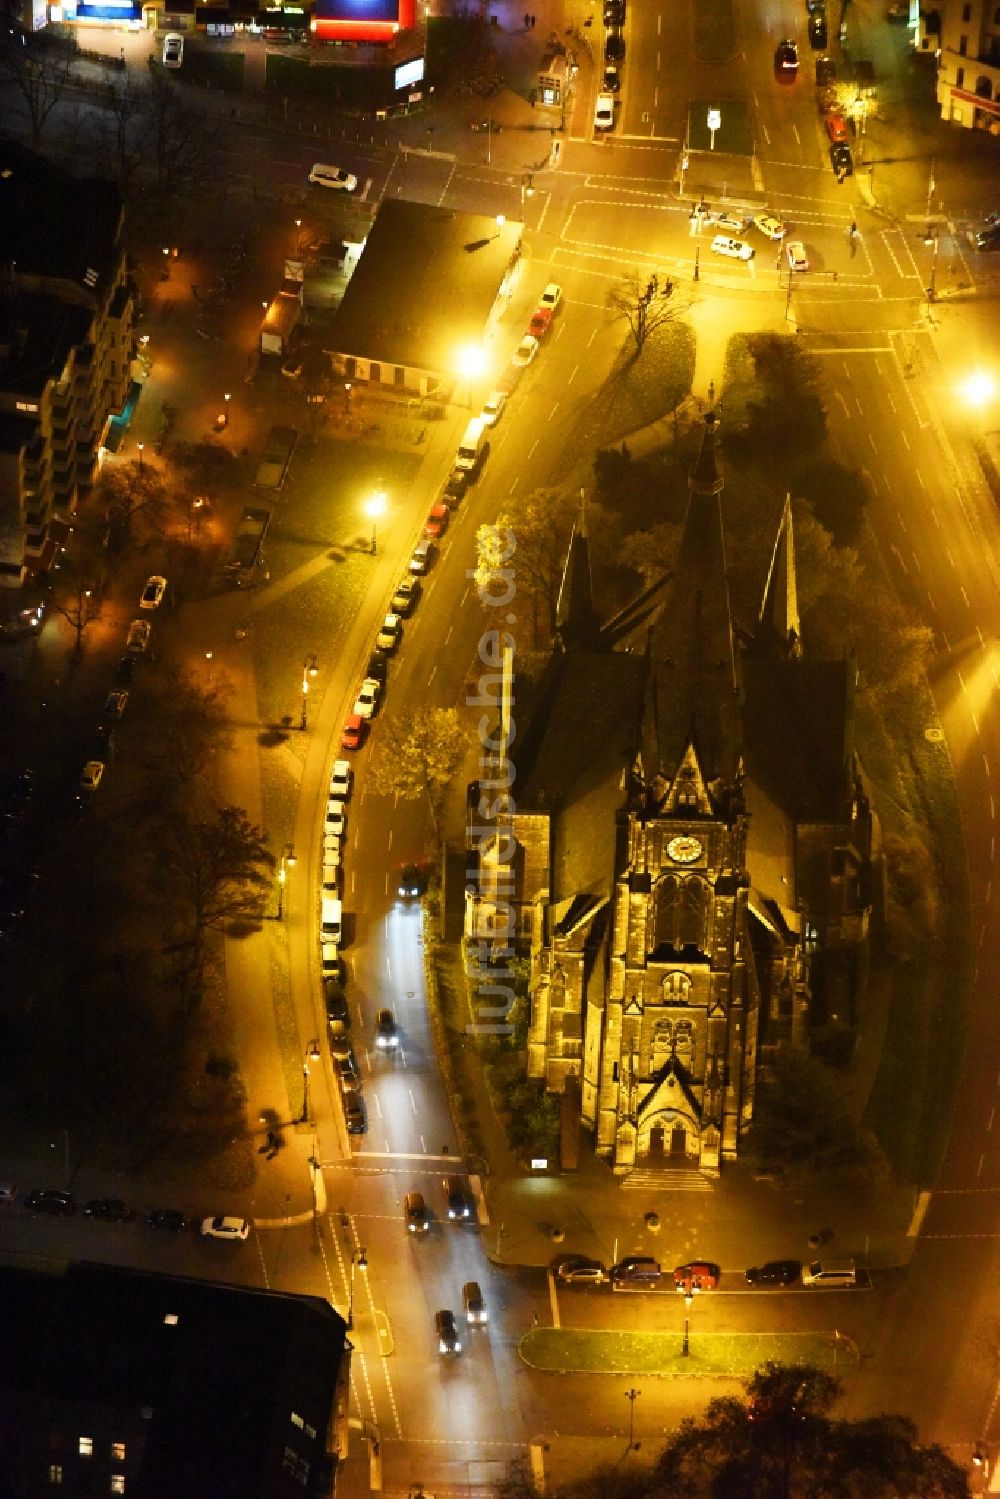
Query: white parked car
(734, 249)
(335, 177)
(173, 50)
(769, 226)
(340, 779)
(152, 594)
(225, 1228)
(91, 775)
(493, 407)
(551, 297)
(604, 112)
(525, 351)
(798, 260)
(367, 699)
(336, 818)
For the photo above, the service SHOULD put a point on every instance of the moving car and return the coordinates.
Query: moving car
(353, 732)
(138, 635)
(91, 775)
(411, 882)
(406, 595)
(386, 1031)
(841, 160)
(447, 1332)
(225, 1228)
(699, 1275)
(786, 59)
(333, 177)
(415, 1212)
(738, 223)
(834, 1274)
(168, 1219)
(798, 260)
(49, 1200)
(580, 1271)
(774, 1273)
(473, 1304)
(436, 523)
(458, 1203)
(525, 351)
(769, 226)
(367, 699)
(493, 407)
(733, 249)
(551, 297)
(152, 595)
(614, 12)
(109, 1209)
(604, 112)
(388, 636)
(173, 50)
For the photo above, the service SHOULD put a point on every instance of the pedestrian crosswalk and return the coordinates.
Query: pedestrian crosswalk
(676, 1179)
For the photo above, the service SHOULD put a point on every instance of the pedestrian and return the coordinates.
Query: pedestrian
(532, 23)
(835, 275)
(534, 1319)
(854, 228)
(194, 291)
(527, 20)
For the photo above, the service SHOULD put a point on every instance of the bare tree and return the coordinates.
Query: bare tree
(75, 582)
(40, 81)
(647, 304)
(135, 489)
(123, 128)
(176, 139)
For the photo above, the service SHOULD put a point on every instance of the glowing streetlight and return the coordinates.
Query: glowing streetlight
(978, 388)
(287, 863)
(310, 671)
(140, 446)
(375, 507)
(312, 1055)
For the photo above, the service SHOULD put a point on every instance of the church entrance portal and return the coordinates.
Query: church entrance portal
(656, 1141)
(678, 1140)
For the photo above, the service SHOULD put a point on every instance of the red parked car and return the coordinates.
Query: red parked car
(353, 732)
(700, 1275)
(437, 522)
(541, 322)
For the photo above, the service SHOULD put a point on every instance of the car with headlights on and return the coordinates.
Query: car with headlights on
(411, 882)
(473, 1304)
(386, 1031)
(449, 1342)
(458, 1203)
(415, 1213)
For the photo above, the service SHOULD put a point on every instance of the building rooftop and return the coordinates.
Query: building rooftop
(424, 287)
(37, 333)
(57, 226)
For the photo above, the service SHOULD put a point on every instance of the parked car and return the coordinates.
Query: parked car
(579, 1271)
(109, 1209)
(390, 633)
(493, 407)
(126, 669)
(336, 818)
(447, 1333)
(366, 701)
(737, 223)
(341, 777)
(404, 600)
(355, 1112)
(8, 1192)
(49, 1200)
(473, 1303)
(612, 81)
(345, 1062)
(525, 351)
(225, 1228)
(114, 704)
(541, 323)
(378, 666)
(798, 260)
(334, 177)
(551, 297)
(614, 44)
(817, 31)
(837, 1275)
(436, 523)
(423, 556)
(91, 775)
(411, 882)
(137, 639)
(415, 1213)
(456, 484)
(699, 1275)
(458, 1203)
(152, 595)
(386, 1030)
(337, 1015)
(614, 12)
(841, 160)
(169, 1219)
(173, 50)
(635, 1269)
(826, 72)
(17, 795)
(353, 732)
(774, 1273)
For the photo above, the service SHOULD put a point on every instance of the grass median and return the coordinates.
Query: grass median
(560, 1350)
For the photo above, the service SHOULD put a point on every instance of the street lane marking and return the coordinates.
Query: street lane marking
(573, 375)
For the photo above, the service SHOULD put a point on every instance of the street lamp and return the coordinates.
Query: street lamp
(140, 446)
(373, 509)
(298, 226)
(287, 862)
(224, 413)
(312, 1055)
(309, 671)
(501, 220)
(631, 1396)
(359, 1262)
(688, 1298)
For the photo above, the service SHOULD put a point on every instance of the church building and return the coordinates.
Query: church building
(687, 837)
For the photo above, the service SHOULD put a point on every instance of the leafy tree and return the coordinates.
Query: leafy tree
(40, 80)
(837, 497)
(214, 869)
(645, 304)
(418, 756)
(789, 419)
(651, 553)
(802, 1119)
(540, 526)
(133, 489)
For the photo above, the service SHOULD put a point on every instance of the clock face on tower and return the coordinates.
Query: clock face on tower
(684, 849)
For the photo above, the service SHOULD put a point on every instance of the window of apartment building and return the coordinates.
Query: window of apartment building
(984, 88)
(996, 16)
(963, 46)
(118, 1451)
(966, 12)
(960, 78)
(55, 1473)
(86, 1446)
(118, 1483)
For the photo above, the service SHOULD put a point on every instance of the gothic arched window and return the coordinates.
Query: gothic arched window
(676, 989)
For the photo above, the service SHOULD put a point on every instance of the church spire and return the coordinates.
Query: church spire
(577, 625)
(778, 621)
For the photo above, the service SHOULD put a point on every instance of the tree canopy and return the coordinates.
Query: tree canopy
(418, 755)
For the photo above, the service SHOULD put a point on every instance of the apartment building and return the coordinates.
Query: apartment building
(66, 347)
(968, 83)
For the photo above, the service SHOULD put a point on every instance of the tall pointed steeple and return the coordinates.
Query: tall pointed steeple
(778, 622)
(577, 625)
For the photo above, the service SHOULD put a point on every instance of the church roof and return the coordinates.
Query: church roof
(798, 733)
(692, 692)
(778, 623)
(577, 624)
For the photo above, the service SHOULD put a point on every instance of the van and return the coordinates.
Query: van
(331, 919)
(836, 1273)
(637, 1270)
(836, 129)
(423, 556)
(471, 447)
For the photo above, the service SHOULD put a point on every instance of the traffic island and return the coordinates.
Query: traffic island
(558, 1350)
